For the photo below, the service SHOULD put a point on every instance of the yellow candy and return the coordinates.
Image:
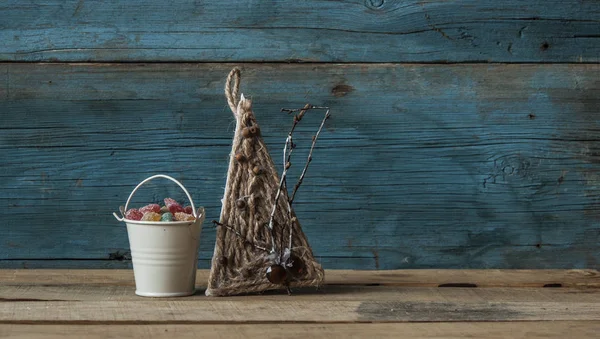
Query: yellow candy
(182, 216)
(151, 216)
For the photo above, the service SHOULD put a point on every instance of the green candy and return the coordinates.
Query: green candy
(166, 217)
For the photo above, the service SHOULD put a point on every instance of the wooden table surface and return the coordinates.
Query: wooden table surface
(375, 304)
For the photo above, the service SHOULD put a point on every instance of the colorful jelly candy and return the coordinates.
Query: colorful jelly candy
(173, 206)
(151, 216)
(167, 216)
(150, 208)
(170, 211)
(133, 214)
(182, 216)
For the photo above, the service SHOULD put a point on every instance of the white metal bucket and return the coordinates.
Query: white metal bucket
(164, 253)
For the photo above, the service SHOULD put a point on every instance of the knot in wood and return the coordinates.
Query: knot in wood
(374, 4)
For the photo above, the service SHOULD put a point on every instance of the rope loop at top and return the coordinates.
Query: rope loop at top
(232, 88)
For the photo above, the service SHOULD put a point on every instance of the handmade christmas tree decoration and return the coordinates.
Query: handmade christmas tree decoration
(260, 244)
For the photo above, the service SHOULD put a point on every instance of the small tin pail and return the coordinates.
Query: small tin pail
(164, 253)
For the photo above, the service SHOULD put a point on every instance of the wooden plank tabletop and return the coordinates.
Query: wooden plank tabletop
(399, 303)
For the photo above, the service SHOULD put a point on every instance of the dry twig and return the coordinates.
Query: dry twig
(287, 164)
(312, 147)
(239, 235)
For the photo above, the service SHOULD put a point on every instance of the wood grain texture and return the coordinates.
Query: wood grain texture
(290, 310)
(446, 166)
(70, 303)
(89, 292)
(491, 330)
(306, 31)
(400, 278)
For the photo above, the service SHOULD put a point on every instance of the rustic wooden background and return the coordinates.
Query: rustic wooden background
(465, 134)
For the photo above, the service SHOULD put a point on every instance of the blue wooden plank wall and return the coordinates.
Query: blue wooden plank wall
(465, 134)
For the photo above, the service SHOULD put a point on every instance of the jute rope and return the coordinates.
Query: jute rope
(239, 264)
(232, 88)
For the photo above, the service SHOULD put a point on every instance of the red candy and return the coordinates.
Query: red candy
(175, 209)
(134, 214)
(150, 208)
(188, 210)
(173, 206)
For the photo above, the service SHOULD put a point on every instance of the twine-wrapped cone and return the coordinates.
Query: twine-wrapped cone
(244, 246)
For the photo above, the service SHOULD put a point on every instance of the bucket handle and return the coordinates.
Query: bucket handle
(123, 210)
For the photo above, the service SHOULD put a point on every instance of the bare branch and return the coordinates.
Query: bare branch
(309, 159)
(289, 144)
(240, 236)
(286, 165)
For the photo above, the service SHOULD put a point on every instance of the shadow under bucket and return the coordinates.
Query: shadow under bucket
(164, 253)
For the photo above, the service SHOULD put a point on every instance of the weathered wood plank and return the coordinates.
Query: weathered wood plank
(329, 31)
(479, 278)
(104, 299)
(421, 165)
(10, 293)
(406, 277)
(290, 310)
(454, 330)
